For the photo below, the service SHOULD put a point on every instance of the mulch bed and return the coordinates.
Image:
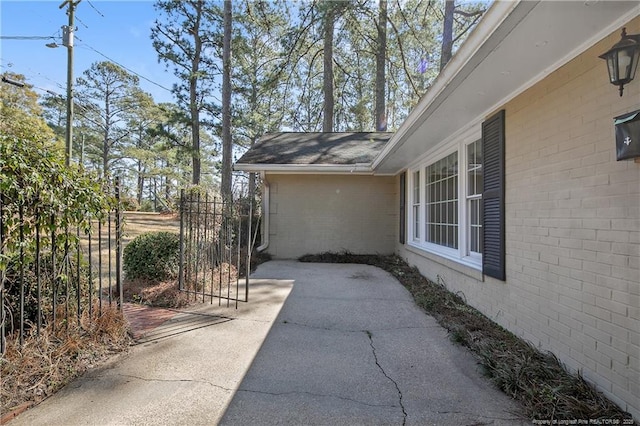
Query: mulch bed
(536, 379)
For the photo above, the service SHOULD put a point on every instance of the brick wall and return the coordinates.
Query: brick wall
(573, 228)
(319, 213)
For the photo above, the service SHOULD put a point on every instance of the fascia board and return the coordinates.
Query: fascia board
(360, 168)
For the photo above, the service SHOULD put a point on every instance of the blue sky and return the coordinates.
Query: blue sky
(119, 30)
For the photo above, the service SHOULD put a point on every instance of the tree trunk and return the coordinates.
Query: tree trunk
(193, 95)
(226, 104)
(140, 183)
(167, 185)
(105, 155)
(447, 33)
(327, 124)
(251, 187)
(105, 142)
(381, 56)
(140, 167)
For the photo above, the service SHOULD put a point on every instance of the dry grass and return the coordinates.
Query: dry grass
(137, 223)
(164, 294)
(47, 362)
(537, 380)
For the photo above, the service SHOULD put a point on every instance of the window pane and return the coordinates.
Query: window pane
(474, 168)
(474, 196)
(416, 205)
(475, 225)
(442, 201)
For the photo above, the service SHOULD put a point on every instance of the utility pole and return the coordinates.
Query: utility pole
(67, 40)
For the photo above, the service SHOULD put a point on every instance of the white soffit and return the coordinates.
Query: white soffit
(534, 39)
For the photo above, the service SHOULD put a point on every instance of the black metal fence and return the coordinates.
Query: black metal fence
(216, 240)
(56, 276)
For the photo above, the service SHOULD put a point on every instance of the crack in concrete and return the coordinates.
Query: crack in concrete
(375, 356)
(261, 321)
(346, 299)
(317, 395)
(348, 330)
(146, 379)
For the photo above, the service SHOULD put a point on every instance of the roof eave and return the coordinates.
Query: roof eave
(494, 16)
(358, 168)
(458, 98)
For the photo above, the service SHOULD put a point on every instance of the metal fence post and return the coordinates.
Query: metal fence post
(78, 281)
(38, 275)
(249, 251)
(119, 245)
(21, 216)
(54, 276)
(100, 266)
(109, 251)
(197, 251)
(2, 272)
(181, 262)
(89, 275)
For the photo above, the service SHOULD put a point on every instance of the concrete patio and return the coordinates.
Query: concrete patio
(317, 344)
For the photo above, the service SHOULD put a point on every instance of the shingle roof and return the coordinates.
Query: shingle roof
(316, 148)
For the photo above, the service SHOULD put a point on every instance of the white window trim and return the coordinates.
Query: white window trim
(457, 144)
(420, 218)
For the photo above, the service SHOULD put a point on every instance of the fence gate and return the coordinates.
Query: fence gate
(215, 248)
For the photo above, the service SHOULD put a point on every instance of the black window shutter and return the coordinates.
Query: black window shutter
(403, 203)
(493, 255)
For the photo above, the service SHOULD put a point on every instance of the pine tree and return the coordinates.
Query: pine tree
(182, 37)
(106, 94)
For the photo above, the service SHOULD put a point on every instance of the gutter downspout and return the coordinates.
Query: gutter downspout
(265, 213)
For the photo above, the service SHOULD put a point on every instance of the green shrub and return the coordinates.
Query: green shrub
(152, 256)
(129, 204)
(147, 206)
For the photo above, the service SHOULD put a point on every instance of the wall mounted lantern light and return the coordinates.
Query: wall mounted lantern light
(622, 59)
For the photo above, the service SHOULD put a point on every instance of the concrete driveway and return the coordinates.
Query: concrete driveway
(318, 344)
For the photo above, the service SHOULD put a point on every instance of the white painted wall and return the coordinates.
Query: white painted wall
(310, 214)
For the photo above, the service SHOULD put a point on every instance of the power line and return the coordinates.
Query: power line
(83, 108)
(81, 22)
(94, 8)
(125, 67)
(27, 37)
(30, 86)
(114, 61)
(30, 74)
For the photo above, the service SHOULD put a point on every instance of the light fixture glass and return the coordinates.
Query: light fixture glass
(622, 60)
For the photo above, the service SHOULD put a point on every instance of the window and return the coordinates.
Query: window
(403, 202)
(416, 206)
(446, 199)
(457, 199)
(474, 196)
